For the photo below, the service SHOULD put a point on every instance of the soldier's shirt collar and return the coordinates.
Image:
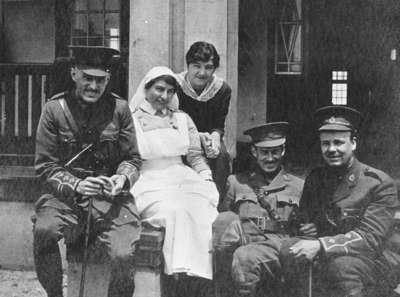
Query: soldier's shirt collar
(347, 182)
(147, 107)
(279, 181)
(353, 172)
(348, 176)
(95, 115)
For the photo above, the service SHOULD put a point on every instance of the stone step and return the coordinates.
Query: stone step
(17, 159)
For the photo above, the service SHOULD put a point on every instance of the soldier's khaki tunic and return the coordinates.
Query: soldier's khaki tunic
(252, 227)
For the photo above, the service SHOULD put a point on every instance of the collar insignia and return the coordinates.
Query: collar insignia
(352, 177)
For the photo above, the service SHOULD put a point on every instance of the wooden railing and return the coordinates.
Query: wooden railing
(23, 92)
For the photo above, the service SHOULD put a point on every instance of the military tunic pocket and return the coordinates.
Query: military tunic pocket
(285, 205)
(109, 146)
(68, 145)
(110, 133)
(243, 197)
(349, 218)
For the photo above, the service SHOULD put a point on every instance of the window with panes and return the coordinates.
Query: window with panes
(339, 87)
(96, 23)
(92, 23)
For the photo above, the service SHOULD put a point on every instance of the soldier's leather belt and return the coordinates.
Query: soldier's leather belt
(266, 225)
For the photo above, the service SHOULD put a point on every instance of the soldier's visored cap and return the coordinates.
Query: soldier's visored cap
(337, 118)
(94, 60)
(268, 135)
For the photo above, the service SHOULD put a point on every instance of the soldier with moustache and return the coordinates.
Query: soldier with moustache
(86, 149)
(348, 208)
(254, 221)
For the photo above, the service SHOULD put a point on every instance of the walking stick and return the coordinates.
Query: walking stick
(85, 251)
(310, 269)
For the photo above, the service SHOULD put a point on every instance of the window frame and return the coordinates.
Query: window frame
(339, 78)
(103, 12)
(289, 50)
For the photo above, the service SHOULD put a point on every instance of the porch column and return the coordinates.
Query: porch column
(216, 21)
(149, 38)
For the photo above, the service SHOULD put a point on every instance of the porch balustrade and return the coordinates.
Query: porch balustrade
(23, 92)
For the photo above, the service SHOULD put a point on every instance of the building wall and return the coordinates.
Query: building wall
(356, 36)
(29, 31)
(252, 64)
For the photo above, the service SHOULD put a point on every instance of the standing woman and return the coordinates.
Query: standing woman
(168, 193)
(205, 97)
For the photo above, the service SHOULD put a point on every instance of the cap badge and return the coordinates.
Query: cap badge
(332, 120)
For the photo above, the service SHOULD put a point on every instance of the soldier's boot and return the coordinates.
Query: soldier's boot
(122, 280)
(48, 266)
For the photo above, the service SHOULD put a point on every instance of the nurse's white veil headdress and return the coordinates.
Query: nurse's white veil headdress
(140, 94)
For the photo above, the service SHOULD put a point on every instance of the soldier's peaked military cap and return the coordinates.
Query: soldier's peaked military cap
(93, 60)
(268, 135)
(337, 118)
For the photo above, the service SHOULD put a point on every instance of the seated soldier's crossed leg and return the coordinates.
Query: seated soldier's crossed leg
(256, 268)
(344, 276)
(245, 265)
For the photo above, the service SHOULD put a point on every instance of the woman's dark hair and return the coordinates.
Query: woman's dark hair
(169, 79)
(202, 51)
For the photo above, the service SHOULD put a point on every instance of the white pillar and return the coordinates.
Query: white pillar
(149, 38)
(216, 21)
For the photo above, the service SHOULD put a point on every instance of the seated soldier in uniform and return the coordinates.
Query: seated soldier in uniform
(86, 149)
(258, 203)
(349, 208)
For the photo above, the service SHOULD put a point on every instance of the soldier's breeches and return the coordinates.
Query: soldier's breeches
(48, 226)
(227, 232)
(51, 224)
(255, 264)
(227, 236)
(354, 276)
(344, 276)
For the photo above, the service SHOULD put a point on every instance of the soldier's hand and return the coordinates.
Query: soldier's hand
(305, 249)
(91, 186)
(308, 229)
(119, 182)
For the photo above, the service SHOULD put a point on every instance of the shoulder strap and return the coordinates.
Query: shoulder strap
(69, 118)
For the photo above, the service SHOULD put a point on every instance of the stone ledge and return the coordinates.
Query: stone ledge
(19, 183)
(15, 172)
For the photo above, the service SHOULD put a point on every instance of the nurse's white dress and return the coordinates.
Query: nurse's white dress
(172, 195)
